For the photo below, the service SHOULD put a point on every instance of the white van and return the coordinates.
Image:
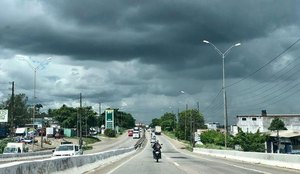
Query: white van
(136, 134)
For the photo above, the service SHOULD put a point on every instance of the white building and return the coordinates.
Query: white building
(252, 123)
(212, 125)
(289, 140)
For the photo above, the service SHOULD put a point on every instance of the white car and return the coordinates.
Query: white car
(67, 150)
(136, 134)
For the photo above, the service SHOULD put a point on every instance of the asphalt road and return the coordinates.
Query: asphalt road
(178, 161)
(123, 141)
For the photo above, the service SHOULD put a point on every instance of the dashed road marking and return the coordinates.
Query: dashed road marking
(176, 164)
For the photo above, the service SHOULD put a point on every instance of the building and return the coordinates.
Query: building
(253, 123)
(284, 141)
(212, 125)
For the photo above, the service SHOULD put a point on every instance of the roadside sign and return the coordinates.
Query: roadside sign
(109, 119)
(3, 115)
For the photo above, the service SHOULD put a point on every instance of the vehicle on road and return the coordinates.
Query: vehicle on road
(136, 134)
(13, 148)
(156, 150)
(130, 132)
(157, 130)
(67, 150)
(152, 140)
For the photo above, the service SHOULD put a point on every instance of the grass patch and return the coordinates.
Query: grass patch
(90, 140)
(87, 148)
(170, 134)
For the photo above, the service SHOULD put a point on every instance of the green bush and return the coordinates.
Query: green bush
(87, 148)
(91, 139)
(110, 133)
(3, 143)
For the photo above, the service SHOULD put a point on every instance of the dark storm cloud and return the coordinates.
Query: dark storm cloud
(151, 49)
(167, 33)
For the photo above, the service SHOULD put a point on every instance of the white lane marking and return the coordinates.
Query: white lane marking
(195, 156)
(122, 164)
(259, 171)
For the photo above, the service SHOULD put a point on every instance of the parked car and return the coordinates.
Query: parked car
(67, 150)
(58, 135)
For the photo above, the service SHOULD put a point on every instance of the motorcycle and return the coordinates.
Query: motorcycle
(157, 155)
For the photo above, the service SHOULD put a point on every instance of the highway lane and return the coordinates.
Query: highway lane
(122, 141)
(176, 161)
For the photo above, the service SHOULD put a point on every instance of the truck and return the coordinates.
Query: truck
(50, 132)
(157, 130)
(14, 148)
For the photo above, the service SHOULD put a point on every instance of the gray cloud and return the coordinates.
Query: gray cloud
(117, 50)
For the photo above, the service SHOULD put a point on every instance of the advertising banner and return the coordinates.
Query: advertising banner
(3, 115)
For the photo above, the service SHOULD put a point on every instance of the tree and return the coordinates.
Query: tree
(155, 122)
(277, 125)
(21, 112)
(189, 121)
(167, 121)
(66, 116)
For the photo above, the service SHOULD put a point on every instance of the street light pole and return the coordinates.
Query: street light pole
(223, 85)
(35, 68)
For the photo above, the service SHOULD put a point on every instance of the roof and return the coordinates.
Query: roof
(270, 115)
(20, 130)
(285, 134)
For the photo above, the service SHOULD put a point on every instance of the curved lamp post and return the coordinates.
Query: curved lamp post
(223, 86)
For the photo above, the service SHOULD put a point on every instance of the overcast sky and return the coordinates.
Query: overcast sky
(141, 55)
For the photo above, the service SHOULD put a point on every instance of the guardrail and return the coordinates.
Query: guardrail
(139, 143)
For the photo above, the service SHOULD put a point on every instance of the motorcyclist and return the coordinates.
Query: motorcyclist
(156, 147)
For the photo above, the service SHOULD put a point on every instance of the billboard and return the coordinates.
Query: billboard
(3, 115)
(109, 119)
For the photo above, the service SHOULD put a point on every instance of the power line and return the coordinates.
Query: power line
(276, 57)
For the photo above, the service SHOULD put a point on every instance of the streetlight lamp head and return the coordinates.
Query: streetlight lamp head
(238, 44)
(205, 41)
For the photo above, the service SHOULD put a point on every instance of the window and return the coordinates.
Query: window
(244, 119)
(253, 119)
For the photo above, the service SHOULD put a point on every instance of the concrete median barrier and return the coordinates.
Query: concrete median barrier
(61, 164)
(273, 159)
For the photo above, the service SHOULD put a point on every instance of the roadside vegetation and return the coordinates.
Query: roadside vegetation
(190, 120)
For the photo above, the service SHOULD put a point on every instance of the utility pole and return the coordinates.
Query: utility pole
(12, 106)
(77, 125)
(80, 115)
(99, 108)
(186, 108)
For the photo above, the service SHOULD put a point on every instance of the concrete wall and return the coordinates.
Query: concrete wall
(60, 164)
(279, 160)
